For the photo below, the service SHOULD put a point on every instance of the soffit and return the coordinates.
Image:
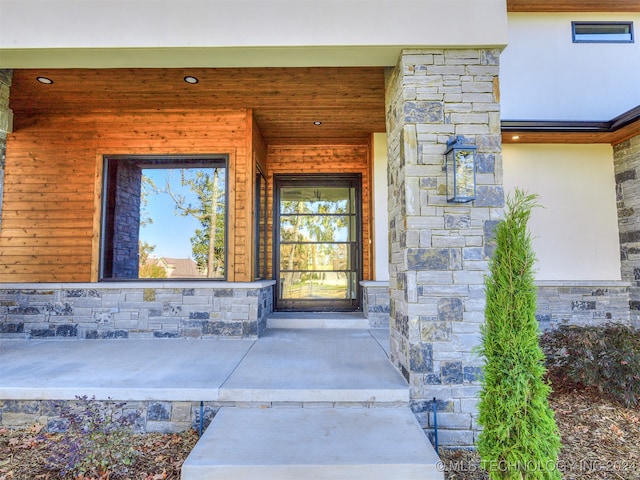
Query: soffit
(286, 101)
(615, 131)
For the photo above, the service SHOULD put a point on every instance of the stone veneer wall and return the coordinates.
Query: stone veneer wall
(375, 303)
(626, 160)
(126, 219)
(135, 310)
(439, 251)
(582, 303)
(151, 415)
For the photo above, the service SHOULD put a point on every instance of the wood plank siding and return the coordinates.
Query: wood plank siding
(51, 207)
(51, 212)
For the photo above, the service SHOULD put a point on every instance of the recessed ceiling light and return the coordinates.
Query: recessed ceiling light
(515, 137)
(317, 122)
(45, 80)
(191, 79)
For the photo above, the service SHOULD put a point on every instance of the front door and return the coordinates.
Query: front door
(317, 242)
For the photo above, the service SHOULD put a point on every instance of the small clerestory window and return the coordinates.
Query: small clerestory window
(602, 32)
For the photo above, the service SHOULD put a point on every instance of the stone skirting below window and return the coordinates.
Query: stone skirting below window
(135, 309)
(582, 302)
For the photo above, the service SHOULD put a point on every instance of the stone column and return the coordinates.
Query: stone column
(439, 251)
(626, 160)
(6, 122)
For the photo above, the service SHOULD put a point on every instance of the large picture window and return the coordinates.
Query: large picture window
(164, 217)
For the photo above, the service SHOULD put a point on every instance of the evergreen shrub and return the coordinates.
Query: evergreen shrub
(520, 437)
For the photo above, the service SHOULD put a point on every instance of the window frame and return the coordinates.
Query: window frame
(575, 36)
(261, 219)
(157, 161)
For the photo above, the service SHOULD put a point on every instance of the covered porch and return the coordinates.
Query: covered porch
(271, 398)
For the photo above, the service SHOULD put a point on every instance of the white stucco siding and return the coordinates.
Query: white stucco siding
(545, 76)
(575, 235)
(380, 207)
(215, 33)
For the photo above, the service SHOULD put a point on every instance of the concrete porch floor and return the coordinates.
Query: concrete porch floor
(332, 373)
(311, 365)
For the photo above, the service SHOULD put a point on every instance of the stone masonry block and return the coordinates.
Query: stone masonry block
(456, 421)
(457, 438)
(166, 426)
(450, 309)
(465, 391)
(435, 331)
(159, 411)
(421, 357)
(471, 129)
(409, 145)
(447, 241)
(423, 112)
(469, 405)
(428, 259)
(451, 373)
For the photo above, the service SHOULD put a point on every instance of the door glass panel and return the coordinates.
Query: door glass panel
(314, 256)
(318, 234)
(315, 228)
(308, 200)
(315, 285)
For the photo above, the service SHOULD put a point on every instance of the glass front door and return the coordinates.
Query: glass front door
(318, 243)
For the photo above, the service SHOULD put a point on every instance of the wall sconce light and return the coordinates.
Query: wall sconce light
(460, 165)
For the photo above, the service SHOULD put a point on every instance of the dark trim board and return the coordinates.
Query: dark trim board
(614, 131)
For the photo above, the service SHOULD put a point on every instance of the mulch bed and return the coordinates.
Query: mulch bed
(160, 456)
(601, 440)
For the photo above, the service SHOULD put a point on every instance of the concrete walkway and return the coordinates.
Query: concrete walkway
(305, 444)
(283, 365)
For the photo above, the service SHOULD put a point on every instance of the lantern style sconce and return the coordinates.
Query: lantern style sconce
(460, 165)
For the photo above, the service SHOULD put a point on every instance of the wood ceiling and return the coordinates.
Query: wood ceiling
(573, 6)
(286, 101)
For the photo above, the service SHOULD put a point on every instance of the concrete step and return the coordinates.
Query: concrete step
(310, 444)
(342, 365)
(299, 320)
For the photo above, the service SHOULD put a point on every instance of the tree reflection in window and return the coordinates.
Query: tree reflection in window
(173, 210)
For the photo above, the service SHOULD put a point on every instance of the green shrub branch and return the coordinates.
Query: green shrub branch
(520, 437)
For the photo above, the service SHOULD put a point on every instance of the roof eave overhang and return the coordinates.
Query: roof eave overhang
(614, 131)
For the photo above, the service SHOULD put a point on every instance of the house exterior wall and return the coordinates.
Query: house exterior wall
(440, 251)
(574, 232)
(627, 168)
(380, 214)
(545, 76)
(52, 188)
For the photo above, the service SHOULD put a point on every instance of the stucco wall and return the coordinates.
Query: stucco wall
(545, 76)
(380, 208)
(575, 235)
